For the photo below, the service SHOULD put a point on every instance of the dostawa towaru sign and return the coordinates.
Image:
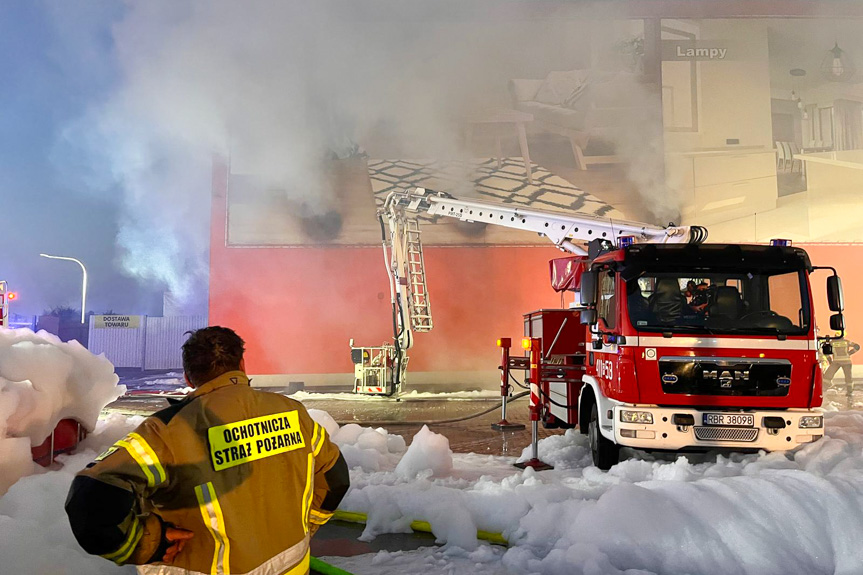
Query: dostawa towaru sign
(251, 439)
(117, 321)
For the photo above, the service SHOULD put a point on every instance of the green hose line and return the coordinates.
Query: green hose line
(423, 526)
(318, 566)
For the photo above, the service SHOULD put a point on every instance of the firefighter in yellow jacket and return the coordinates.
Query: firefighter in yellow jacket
(229, 480)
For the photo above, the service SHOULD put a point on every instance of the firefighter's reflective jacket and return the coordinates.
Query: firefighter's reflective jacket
(843, 350)
(248, 472)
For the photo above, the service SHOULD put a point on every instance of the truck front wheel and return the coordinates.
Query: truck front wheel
(605, 453)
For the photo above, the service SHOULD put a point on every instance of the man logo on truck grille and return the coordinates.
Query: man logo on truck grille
(727, 376)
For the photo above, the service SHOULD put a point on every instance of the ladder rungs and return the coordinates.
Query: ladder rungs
(421, 318)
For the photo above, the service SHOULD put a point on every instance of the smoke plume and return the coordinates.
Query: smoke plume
(280, 87)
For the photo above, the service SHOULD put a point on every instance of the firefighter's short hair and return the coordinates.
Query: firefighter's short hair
(211, 351)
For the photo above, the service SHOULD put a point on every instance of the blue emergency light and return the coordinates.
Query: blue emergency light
(780, 243)
(625, 241)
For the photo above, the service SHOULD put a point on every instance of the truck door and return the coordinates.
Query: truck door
(606, 332)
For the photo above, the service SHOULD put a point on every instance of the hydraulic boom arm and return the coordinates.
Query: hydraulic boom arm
(381, 370)
(561, 229)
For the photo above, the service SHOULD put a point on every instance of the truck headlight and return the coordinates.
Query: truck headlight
(812, 421)
(636, 416)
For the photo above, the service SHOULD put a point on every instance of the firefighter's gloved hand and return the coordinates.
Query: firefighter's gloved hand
(176, 539)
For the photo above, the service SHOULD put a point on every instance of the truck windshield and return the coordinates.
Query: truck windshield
(754, 303)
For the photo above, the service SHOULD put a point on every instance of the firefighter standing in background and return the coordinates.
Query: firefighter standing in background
(843, 349)
(229, 480)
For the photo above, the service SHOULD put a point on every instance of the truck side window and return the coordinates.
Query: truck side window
(606, 307)
(784, 296)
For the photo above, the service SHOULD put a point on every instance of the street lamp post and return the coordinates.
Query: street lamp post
(83, 285)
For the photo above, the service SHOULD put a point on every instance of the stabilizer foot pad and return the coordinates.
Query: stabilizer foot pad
(535, 463)
(504, 425)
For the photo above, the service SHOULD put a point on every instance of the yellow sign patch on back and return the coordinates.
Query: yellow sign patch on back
(252, 439)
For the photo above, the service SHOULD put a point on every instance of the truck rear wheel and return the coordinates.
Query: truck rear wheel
(605, 453)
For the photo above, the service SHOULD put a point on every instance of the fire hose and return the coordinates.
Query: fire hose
(318, 566)
(422, 526)
(437, 421)
(324, 568)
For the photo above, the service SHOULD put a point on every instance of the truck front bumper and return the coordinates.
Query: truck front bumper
(771, 430)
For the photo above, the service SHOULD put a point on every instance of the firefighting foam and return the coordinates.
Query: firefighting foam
(43, 380)
(753, 496)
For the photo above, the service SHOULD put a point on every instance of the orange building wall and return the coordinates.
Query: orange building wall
(847, 259)
(297, 308)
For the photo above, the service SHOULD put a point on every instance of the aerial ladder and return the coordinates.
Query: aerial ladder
(382, 370)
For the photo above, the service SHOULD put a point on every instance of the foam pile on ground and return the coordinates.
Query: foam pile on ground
(44, 380)
(779, 513)
(757, 514)
(34, 533)
(429, 451)
(364, 448)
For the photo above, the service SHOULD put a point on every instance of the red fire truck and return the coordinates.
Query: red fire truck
(670, 343)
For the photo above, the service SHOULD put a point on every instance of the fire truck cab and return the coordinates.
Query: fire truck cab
(695, 346)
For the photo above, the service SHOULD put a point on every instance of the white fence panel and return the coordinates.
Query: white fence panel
(124, 347)
(165, 337)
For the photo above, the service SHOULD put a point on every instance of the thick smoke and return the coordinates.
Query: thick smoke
(641, 145)
(281, 88)
(283, 85)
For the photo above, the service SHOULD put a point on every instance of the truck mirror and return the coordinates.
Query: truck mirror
(837, 322)
(588, 316)
(588, 288)
(835, 299)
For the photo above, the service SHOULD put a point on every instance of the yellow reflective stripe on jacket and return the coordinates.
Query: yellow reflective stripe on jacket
(302, 567)
(144, 455)
(320, 440)
(319, 517)
(120, 555)
(308, 491)
(211, 512)
(316, 435)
